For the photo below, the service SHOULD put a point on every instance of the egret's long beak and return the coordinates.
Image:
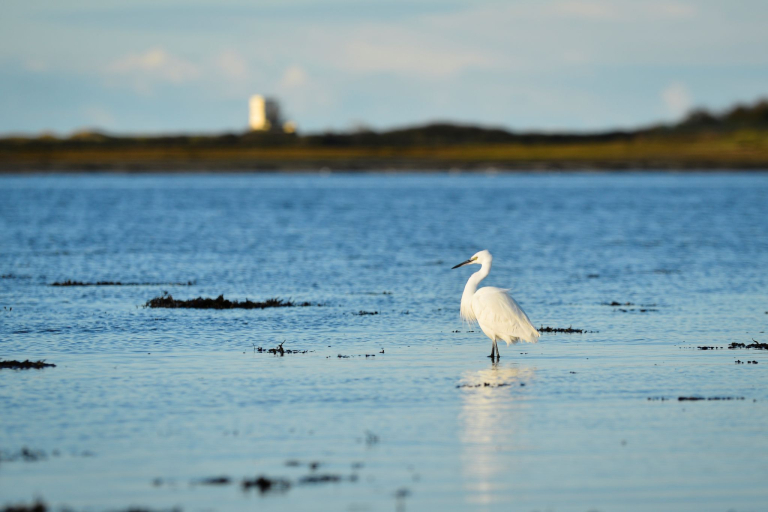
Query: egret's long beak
(462, 264)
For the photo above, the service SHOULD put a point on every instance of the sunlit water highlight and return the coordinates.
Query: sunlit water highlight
(144, 403)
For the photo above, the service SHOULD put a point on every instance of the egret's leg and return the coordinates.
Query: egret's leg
(493, 350)
(497, 350)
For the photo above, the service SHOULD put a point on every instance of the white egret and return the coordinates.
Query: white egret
(499, 316)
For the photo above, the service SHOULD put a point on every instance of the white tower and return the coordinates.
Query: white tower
(257, 118)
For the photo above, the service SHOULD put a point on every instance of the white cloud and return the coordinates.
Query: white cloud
(677, 99)
(598, 11)
(679, 11)
(36, 65)
(601, 10)
(294, 76)
(98, 116)
(409, 58)
(143, 70)
(232, 64)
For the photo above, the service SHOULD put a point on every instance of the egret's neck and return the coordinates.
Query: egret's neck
(474, 280)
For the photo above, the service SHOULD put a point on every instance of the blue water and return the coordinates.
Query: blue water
(144, 403)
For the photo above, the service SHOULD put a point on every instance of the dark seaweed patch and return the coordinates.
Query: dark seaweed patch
(755, 345)
(568, 330)
(698, 398)
(320, 479)
(264, 484)
(695, 398)
(484, 385)
(13, 276)
(24, 454)
(710, 348)
(40, 506)
(642, 308)
(279, 350)
(167, 301)
(364, 313)
(69, 282)
(343, 356)
(25, 365)
(216, 480)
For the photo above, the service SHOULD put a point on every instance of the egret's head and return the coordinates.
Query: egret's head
(480, 258)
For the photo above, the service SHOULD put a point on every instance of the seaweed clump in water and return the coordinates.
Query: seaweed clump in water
(69, 282)
(265, 484)
(569, 330)
(755, 344)
(167, 301)
(25, 365)
(40, 506)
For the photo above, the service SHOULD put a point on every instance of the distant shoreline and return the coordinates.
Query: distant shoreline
(725, 153)
(734, 140)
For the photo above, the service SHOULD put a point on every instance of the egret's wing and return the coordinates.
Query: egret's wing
(499, 314)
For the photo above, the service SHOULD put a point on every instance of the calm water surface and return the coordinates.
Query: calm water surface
(145, 403)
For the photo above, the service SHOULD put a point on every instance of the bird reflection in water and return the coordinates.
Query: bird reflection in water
(493, 406)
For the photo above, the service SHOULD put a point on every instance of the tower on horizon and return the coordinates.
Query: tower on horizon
(264, 113)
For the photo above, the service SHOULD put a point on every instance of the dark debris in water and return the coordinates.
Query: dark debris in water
(568, 330)
(265, 484)
(364, 313)
(321, 479)
(25, 454)
(26, 365)
(695, 398)
(487, 385)
(30, 455)
(742, 362)
(344, 356)
(755, 345)
(215, 480)
(279, 350)
(13, 276)
(710, 348)
(643, 308)
(69, 282)
(40, 506)
(167, 301)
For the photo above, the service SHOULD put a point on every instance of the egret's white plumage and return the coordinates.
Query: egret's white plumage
(497, 313)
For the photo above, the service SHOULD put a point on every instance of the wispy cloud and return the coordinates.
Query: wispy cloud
(294, 76)
(677, 99)
(589, 10)
(144, 70)
(409, 56)
(232, 64)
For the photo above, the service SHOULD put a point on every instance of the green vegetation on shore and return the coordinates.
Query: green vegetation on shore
(736, 139)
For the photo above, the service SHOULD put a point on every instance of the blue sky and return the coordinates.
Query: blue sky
(189, 66)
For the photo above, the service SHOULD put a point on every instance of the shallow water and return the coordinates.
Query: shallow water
(144, 403)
